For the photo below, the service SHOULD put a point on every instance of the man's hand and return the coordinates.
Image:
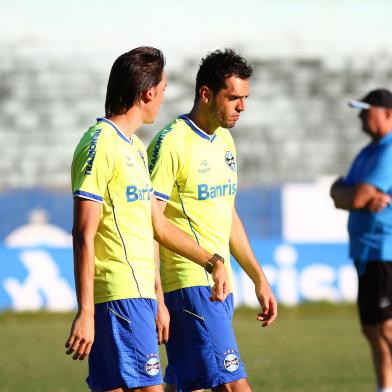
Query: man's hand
(379, 201)
(339, 181)
(81, 337)
(268, 304)
(221, 288)
(162, 323)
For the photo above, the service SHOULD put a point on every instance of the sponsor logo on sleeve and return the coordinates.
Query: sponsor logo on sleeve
(157, 147)
(92, 151)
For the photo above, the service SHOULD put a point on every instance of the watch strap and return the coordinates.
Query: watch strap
(211, 262)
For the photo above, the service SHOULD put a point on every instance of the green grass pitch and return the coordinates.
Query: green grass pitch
(313, 347)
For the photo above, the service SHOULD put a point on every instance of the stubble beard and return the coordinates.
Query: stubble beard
(217, 117)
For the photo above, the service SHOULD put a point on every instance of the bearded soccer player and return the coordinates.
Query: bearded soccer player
(120, 300)
(193, 168)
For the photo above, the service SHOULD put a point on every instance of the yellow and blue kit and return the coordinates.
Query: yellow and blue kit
(111, 169)
(196, 175)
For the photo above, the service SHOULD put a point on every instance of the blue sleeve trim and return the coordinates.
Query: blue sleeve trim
(88, 195)
(161, 196)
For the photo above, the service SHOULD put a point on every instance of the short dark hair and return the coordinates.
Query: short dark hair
(217, 66)
(132, 73)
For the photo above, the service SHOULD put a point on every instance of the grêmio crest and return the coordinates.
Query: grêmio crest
(230, 160)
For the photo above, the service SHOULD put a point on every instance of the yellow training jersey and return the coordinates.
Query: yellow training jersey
(196, 175)
(111, 169)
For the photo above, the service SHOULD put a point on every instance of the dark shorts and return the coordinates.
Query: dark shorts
(125, 348)
(375, 292)
(202, 351)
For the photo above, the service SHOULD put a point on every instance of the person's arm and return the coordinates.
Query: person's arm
(241, 250)
(174, 239)
(86, 219)
(162, 319)
(360, 196)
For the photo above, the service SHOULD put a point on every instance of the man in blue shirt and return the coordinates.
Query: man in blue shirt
(366, 192)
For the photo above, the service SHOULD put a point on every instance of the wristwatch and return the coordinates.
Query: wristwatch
(211, 262)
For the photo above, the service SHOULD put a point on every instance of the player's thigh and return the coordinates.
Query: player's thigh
(202, 349)
(241, 385)
(125, 351)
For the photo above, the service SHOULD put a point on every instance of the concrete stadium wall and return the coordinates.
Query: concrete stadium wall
(297, 125)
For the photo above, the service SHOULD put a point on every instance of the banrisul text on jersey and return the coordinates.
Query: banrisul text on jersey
(134, 193)
(205, 191)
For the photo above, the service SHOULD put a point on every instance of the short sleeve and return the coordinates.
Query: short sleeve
(379, 173)
(92, 167)
(164, 165)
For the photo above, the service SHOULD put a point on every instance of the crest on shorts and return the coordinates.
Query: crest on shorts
(153, 365)
(230, 160)
(231, 361)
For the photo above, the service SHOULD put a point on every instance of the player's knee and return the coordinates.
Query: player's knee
(235, 386)
(153, 388)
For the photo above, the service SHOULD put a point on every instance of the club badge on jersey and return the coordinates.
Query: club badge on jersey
(230, 160)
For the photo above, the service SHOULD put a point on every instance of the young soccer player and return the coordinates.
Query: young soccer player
(193, 165)
(115, 218)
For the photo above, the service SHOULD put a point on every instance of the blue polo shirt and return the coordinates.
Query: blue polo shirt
(371, 233)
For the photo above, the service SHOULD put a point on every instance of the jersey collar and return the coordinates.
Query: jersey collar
(196, 129)
(119, 133)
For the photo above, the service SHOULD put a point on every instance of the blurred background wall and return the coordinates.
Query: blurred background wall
(309, 57)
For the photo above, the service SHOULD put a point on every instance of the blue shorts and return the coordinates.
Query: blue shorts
(202, 351)
(125, 349)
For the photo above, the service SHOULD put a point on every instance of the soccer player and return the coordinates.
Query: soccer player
(115, 219)
(366, 192)
(193, 168)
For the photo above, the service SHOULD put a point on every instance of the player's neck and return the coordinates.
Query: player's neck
(128, 123)
(201, 119)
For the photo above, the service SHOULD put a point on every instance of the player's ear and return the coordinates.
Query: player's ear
(388, 113)
(148, 95)
(205, 94)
